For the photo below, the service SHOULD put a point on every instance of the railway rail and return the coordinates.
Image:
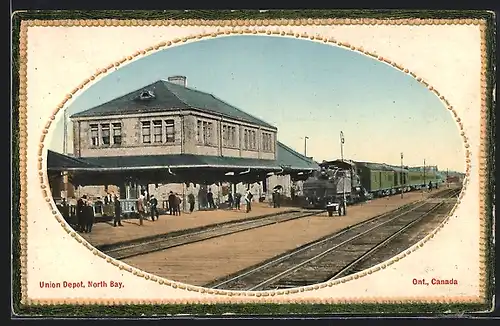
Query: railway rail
(401, 242)
(450, 192)
(171, 241)
(334, 255)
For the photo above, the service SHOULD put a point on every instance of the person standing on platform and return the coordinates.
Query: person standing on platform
(276, 199)
(248, 201)
(153, 202)
(210, 199)
(191, 201)
(171, 203)
(80, 213)
(177, 206)
(89, 216)
(118, 212)
(230, 200)
(237, 200)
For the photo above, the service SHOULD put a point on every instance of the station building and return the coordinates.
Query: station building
(168, 137)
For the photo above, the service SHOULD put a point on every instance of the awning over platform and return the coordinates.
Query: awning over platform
(61, 162)
(287, 160)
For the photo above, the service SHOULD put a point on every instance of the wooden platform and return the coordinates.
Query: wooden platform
(105, 233)
(203, 262)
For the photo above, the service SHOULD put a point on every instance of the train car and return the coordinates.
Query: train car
(381, 179)
(417, 179)
(348, 182)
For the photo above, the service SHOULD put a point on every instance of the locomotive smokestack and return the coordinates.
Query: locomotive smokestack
(179, 80)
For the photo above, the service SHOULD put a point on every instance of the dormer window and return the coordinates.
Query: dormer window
(146, 95)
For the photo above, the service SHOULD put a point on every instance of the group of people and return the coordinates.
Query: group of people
(85, 210)
(174, 203)
(235, 201)
(152, 204)
(84, 214)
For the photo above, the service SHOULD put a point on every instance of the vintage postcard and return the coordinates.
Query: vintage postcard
(335, 161)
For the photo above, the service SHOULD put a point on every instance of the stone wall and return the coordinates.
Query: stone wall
(185, 126)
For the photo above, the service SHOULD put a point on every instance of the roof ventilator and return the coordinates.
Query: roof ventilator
(146, 95)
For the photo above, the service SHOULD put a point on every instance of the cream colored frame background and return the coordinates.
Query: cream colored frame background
(173, 292)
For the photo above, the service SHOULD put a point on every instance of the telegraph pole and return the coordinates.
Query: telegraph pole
(65, 131)
(65, 151)
(305, 145)
(402, 176)
(342, 146)
(342, 141)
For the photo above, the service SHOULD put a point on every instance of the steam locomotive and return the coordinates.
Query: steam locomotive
(343, 182)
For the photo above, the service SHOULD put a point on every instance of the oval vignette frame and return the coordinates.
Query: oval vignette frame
(235, 31)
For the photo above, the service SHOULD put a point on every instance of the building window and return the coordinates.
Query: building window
(105, 134)
(267, 142)
(157, 131)
(170, 131)
(232, 137)
(199, 131)
(228, 136)
(204, 132)
(117, 133)
(146, 131)
(94, 134)
(250, 139)
(245, 139)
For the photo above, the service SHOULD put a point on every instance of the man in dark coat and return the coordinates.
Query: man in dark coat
(89, 216)
(118, 212)
(230, 200)
(80, 213)
(210, 199)
(171, 203)
(248, 201)
(237, 200)
(276, 199)
(153, 202)
(191, 201)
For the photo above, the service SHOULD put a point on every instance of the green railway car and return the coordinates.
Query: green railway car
(383, 179)
(419, 179)
(380, 179)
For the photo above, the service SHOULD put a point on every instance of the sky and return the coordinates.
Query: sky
(305, 89)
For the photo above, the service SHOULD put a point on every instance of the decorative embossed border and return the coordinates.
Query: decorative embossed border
(248, 27)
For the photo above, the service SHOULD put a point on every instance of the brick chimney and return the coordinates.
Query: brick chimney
(179, 80)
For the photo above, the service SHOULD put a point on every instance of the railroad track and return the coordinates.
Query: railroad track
(402, 241)
(149, 246)
(451, 192)
(332, 256)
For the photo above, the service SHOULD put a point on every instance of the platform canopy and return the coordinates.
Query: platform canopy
(178, 168)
